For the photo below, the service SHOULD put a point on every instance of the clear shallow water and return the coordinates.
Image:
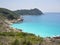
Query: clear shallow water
(44, 25)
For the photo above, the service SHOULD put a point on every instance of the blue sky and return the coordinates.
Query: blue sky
(43, 5)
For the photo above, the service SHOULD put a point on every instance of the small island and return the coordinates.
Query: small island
(34, 11)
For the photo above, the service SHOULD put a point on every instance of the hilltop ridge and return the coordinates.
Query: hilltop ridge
(34, 11)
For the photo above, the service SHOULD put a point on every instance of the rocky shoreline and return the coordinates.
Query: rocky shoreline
(8, 24)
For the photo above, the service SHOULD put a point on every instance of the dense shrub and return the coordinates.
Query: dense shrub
(16, 42)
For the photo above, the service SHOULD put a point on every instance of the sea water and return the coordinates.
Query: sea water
(45, 25)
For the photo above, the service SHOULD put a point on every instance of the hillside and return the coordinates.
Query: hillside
(11, 36)
(6, 17)
(8, 14)
(34, 11)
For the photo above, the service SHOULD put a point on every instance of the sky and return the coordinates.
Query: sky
(43, 5)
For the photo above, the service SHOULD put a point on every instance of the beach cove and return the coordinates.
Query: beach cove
(46, 25)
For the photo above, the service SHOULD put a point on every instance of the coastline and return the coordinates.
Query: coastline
(10, 22)
(33, 29)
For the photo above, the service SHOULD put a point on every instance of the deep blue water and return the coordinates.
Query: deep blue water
(44, 25)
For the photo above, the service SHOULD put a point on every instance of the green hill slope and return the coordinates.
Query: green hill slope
(34, 11)
(8, 13)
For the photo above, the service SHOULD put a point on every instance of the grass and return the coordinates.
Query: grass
(22, 37)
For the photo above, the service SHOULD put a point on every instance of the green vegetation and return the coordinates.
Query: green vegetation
(21, 38)
(8, 14)
(16, 42)
(29, 12)
(15, 34)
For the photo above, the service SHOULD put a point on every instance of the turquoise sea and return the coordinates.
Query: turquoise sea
(44, 25)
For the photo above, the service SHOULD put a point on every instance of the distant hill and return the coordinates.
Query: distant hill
(8, 14)
(34, 11)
